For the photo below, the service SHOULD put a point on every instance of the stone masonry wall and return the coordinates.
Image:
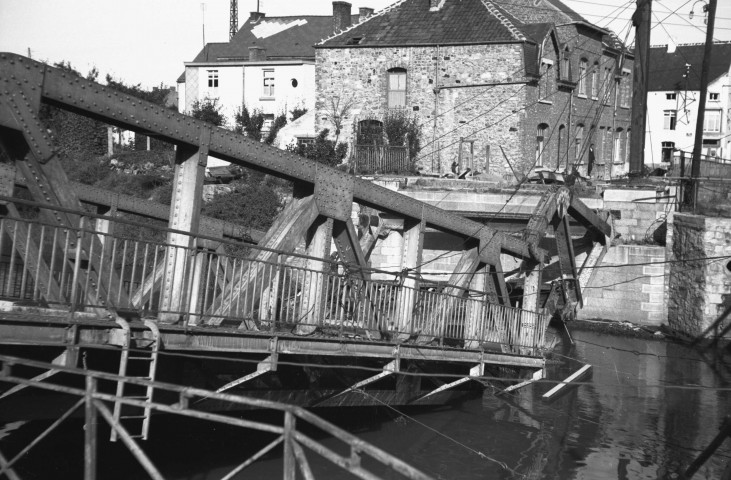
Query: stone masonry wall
(626, 288)
(359, 75)
(699, 290)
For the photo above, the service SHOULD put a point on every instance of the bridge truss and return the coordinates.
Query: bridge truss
(85, 282)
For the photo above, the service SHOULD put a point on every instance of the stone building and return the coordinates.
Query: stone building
(499, 87)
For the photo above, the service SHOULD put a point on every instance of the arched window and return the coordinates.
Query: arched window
(582, 83)
(578, 141)
(370, 132)
(541, 134)
(397, 88)
(566, 65)
(560, 146)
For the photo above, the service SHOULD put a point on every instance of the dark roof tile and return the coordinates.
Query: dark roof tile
(667, 70)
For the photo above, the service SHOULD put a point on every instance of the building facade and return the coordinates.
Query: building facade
(673, 99)
(268, 66)
(501, 88)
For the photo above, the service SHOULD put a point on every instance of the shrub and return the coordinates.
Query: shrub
(402, 130)
(297, 112)
(249, 123)
(279, 122)
(322, 150)
(209, 110)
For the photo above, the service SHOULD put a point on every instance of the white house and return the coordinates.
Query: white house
(269, 65)
(672, 103)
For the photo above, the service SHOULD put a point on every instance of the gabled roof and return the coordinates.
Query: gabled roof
(412, 22)
(284, 38)
(667, 70)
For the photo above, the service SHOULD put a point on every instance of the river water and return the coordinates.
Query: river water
(648, 409)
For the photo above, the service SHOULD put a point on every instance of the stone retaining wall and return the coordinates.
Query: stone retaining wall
(628, 286)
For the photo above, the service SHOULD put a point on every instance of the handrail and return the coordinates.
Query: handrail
(259, 293)
(184, 408)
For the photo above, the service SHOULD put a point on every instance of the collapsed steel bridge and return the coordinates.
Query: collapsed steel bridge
(76, 281)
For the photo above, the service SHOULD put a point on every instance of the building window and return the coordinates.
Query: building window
(671, 117)
(582, 83)
(301, 141)
(397, 88)
(618, 157)
(212, 78)
(566, 66)
(667, 152)
(577, 143)
(712, 121)
(595, 82)
(607, 86)
(713, 97)
(560, 145)
(544, 84)
(671, 96)
(540, 143)
(625, 89)
(268, 90)
(627, 145)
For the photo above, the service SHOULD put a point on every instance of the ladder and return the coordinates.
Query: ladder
(141, 363)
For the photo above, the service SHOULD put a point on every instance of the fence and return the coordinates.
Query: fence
(359, 460)
(381, 159)
(227, 283)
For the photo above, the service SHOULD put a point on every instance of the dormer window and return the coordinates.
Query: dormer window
(354, 41)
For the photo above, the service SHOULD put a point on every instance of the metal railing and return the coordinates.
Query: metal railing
(381, 159)
(182, 402)
(212, 282)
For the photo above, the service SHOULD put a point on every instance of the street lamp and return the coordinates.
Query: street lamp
(705, 10)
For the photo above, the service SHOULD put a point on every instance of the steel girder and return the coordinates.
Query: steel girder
(88, 98)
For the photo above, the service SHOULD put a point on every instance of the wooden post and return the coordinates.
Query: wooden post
(412, 250)
(90, 431)
(641, 72)
(190, 164)
(695, 170)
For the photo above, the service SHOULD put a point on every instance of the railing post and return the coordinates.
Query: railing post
(90, 431)
(77, 263)
(289, 459)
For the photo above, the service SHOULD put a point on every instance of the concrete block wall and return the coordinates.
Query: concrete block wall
(699, 277)
(629, 286)
(637, 212)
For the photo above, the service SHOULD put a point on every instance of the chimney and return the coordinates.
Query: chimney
(364, 12)
(257, 54)
(434, 5)
(341, 16)
(255, 16)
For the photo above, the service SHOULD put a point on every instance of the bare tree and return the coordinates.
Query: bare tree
(338, 109)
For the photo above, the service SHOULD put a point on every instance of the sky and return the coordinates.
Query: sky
(147, 41)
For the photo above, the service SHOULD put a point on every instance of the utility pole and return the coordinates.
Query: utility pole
(641, 70)
(695, 168)
(234, 23)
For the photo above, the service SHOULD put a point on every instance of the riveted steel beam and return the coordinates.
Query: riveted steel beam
(83, 96)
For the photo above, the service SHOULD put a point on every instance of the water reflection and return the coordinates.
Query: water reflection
(626, 423)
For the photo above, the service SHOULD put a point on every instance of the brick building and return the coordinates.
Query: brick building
(495, 86)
